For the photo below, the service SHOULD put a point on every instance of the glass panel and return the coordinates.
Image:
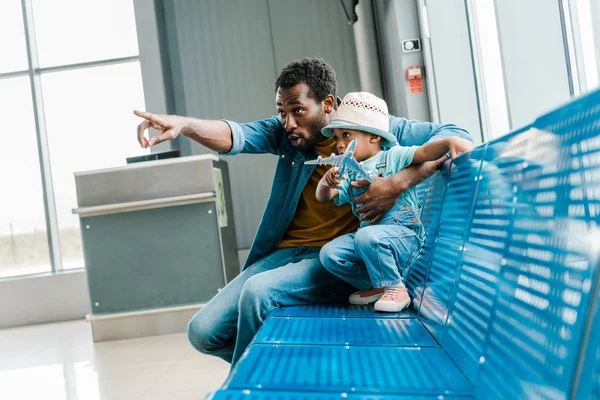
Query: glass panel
(588, 48)
(74, 31)
(90, 122)
(23, 239)
(13, 51)
(494, 96)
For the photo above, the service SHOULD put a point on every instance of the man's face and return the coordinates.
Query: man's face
(302, 116)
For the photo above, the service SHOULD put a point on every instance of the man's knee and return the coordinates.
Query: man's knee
(254, 289)
(201, 334)
(257, 296)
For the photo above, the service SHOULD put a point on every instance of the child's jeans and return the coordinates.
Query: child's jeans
(375, 256)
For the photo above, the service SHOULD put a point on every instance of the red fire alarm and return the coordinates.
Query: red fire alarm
(414, 75)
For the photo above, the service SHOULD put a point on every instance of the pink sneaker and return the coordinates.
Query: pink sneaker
(365, 297)
(395, 299)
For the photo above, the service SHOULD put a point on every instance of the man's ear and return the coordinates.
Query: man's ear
(374, 138)
(328, 104)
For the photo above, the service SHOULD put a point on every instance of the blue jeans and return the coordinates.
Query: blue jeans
(225, 326)
(375, 256)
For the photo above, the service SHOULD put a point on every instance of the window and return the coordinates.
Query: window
(491, 87)
(75, 31)
(578, 38)
(23, 236)
(584, 42)
(90, 125)
(70, 90)
(14, 53)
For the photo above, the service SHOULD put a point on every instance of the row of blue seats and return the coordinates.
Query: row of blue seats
(505, 293)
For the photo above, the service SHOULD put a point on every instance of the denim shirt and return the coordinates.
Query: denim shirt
(291, 175)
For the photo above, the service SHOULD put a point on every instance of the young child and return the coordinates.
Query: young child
(374, 258)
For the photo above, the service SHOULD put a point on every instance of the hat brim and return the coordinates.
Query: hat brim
(389, 140)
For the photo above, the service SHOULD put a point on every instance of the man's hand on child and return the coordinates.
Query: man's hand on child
(332, 178)
(378, 200)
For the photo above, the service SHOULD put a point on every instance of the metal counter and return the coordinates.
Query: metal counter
(157, 234)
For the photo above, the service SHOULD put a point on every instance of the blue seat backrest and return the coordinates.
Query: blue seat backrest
(431, 199)
(446, 251)
(422, 192)
(511, 275)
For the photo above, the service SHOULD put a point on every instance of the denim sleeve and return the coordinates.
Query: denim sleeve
(263, 136)
(417, 133)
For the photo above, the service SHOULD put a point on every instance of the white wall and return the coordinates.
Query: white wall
(46, 298)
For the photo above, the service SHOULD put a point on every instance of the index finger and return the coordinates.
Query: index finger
(150, 117)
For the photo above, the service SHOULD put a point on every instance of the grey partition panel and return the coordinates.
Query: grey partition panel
(315, 28)
(221, 57)
(453, 65)
(224, 59)
(251, 177)
(152, 258)
(533, 56)
(228, 239)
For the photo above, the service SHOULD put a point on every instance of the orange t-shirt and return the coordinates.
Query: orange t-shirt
(315, 224)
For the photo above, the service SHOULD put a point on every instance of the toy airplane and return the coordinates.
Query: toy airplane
(345, 161)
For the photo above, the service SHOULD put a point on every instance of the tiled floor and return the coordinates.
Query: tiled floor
(60, 361)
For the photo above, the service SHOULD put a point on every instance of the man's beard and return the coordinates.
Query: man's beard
(314, 130)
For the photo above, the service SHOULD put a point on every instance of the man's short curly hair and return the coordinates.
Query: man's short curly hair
(315, 72)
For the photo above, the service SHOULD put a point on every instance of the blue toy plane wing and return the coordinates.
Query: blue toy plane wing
(345, 161)
(332, 160)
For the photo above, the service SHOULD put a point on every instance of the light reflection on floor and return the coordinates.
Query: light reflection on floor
(60, 361)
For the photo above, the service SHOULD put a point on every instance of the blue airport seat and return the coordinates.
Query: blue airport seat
(345, 331)
(235, 394)
(337, 310)
(505, 294)
(353, 369)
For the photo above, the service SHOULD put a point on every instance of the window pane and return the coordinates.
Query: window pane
(74, 31)
(588, 48)
(23, 239)
(493, 76)
(13, 50)
(90, 126)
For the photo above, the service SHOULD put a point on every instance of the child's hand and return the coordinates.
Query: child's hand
(458, 145)
(332, 178)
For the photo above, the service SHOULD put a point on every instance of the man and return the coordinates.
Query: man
(283, 267)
